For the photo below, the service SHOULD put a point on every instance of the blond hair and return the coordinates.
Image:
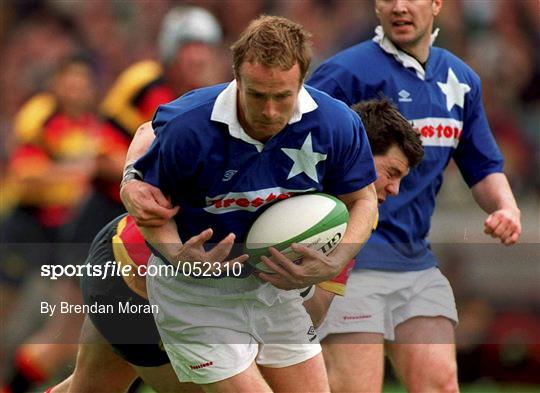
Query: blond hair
(273, 41)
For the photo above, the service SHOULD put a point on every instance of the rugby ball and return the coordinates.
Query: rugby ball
(316, 220)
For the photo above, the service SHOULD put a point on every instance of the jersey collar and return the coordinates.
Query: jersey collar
(406, 60)
(224, 111)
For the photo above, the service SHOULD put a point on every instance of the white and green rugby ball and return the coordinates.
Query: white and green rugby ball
(316, 220)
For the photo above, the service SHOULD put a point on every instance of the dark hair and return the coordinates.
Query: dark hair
(385, 126)
(273, 41)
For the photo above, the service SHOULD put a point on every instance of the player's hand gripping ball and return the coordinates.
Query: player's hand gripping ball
(315, 220)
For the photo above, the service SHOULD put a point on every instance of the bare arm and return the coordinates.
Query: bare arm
(317, 307)
(167, 241)
(164, 238)
(494, 196)
(317, 267)
(143, 138)
(146, 203)
(362, 206)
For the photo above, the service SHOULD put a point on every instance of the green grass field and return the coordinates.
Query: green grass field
(481, 387)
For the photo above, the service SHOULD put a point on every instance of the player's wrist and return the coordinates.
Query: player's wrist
(130, 174)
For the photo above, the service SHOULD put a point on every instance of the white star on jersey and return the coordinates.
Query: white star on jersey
(454, 90)
(305, 160)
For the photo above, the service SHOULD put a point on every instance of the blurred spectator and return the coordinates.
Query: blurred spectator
(188, 61)
(51, 167)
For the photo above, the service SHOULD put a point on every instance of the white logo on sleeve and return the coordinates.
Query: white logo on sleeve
(229, 174)
(404, 96)
(305, 160)
(454, 90)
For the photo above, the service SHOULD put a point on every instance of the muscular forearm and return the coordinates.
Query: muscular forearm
(493, 193)
(163, 238)
(317, 307)
(147, 204)
(362, 206)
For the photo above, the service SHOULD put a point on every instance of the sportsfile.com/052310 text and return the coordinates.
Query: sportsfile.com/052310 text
(115, 269)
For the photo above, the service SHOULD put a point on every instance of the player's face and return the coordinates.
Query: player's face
(266, 98)
(408, 23)
(391, 168)
(74, 88)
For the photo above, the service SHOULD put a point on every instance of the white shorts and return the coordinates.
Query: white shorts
(213, 329)
(377, 301)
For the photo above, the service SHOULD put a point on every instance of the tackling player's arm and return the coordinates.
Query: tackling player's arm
(362, 206)
(317, 267)
(317, 306)
(493, 194)
(166, 240)
(318, 303)
(146, 203)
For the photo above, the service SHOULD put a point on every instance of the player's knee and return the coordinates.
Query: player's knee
(337, 384)
(447, 379)
(340, 379)
(440, 376)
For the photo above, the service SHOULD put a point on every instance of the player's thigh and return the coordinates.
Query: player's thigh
(307, 376)
(98, 368)
(425, 330)
(423, 343)
(355, 361)
(163, 379)
(248, 381)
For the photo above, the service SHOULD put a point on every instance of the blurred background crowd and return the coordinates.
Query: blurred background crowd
(498, 290)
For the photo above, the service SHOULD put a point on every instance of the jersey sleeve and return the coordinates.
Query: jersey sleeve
(477, 154)
(174, 155)
(351, 165)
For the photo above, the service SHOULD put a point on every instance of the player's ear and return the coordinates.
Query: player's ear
(436, 6)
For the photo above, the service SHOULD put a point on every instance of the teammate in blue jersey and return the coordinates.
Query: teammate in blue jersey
(397, 293)
(223, 154)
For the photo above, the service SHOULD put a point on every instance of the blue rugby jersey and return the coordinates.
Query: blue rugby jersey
(444, 103)
(223, 179)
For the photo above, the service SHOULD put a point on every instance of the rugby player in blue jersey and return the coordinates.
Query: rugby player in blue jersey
(397, 294)
(223, 153)
(396, 148)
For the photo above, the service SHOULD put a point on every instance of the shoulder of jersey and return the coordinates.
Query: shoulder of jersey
(31, 118)
(363, 60)
(328, 106)
(453, 61)
(351, 53)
